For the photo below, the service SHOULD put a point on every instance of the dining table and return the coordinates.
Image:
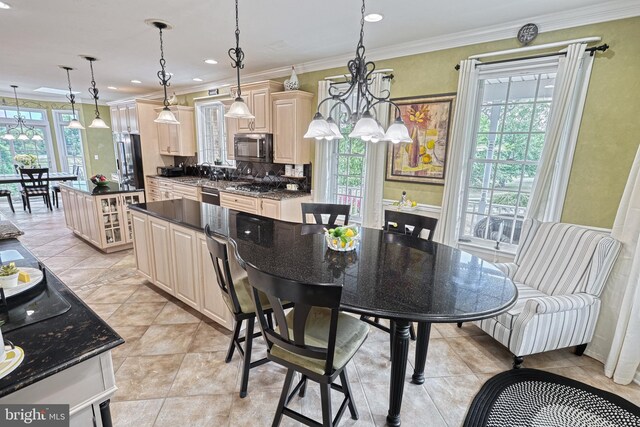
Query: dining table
(392, 276)
(15, 178)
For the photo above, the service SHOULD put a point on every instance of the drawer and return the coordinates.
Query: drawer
(240, 203)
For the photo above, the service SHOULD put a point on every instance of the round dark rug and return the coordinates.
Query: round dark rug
(528, 397)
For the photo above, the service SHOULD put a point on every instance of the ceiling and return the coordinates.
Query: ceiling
(38, 35)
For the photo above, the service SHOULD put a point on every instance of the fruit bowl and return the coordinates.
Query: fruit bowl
(342, 239)
(100, 180)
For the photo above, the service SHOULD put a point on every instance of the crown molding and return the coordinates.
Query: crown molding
(45, 98)
(602, 12)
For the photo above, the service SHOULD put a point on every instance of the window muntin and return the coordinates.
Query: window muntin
(69, 144)
(9, 149)
(512, 119)
(212, 136)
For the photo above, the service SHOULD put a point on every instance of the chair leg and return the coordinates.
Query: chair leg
(392, 333)
(459, 324)
(232, 344)
(517, 362)
(346, 387)
(303, 387)
(49, 202)
(11, 204)
(283, 397)
(28, 204)
(24, 203)
(325, 397)
(580, 349)
(412, 332)
(246, 363)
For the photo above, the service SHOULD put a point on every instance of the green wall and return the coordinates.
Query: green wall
(608, 136)
(94, 141)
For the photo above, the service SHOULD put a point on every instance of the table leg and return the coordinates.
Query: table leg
(398, 370)
(422, 345)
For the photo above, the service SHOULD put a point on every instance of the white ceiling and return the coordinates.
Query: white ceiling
(38, 35)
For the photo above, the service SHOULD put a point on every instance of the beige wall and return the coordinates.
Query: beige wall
(608, 136)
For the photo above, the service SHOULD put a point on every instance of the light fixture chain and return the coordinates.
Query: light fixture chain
(93, 90)
(71, 97)
(162, 74)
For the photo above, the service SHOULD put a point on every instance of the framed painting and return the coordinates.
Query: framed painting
(424, 160)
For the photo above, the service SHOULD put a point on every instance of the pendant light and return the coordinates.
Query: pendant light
(238, 109)
(166, 115)
(21, 125)
(74, 123)
(97, 123)
(366, 126)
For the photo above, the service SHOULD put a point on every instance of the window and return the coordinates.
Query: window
(349, 167)
(69, 144)
(513, 111)
(212, 136)
(9, 149)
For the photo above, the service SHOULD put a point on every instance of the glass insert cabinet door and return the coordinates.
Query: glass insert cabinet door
(128, 199)
(110, 218)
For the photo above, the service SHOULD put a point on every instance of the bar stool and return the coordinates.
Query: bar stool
(7, 194)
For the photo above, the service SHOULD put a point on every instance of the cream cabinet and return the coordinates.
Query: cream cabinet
(178, 139)
(114, 112)
(291, 117)
(165, 189)
(257, 96)
(141, 240)
(288, 209)
(102, 220)
(241, 203)
(176, 260)
(212, 304)
(124, 118)
(270, 208)
(159, 249)
(185, 265)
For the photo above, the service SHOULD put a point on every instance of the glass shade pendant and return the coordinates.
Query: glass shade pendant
(333, 126)
(398, 132)
(74, 123)
(379, 135)
(37, 137)
(365, 128)
(238, 110)
(319, 128)
(23, 137)
(166, 116)
(97, 123)
(8, 137)
(20, 126)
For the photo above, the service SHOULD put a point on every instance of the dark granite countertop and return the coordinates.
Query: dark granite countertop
(59, 342)
(388, 275)
(89, 188)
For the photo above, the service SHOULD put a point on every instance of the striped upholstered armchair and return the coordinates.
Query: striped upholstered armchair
(560, 271)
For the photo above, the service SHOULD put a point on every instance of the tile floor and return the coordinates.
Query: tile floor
(171, 369)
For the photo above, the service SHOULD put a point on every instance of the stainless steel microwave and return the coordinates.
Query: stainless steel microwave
(253, 147)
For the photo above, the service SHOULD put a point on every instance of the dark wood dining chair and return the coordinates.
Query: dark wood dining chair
(236, 293)
(314, 339)
(406, 223)
(330, 209)
(55, 188)
(35, 183)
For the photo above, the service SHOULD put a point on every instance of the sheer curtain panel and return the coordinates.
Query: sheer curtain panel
(324, 159)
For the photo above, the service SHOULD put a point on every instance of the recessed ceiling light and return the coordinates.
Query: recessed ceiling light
(210, 61)
(136, 81)
(197, 79)
(373, 17)
(4, 5)
(54, 90)
(112, 87)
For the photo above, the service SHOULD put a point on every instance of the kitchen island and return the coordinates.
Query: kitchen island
(67, 357)
(100, 214)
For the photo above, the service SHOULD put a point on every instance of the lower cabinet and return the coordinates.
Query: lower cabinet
(177, 261)
(285, 209)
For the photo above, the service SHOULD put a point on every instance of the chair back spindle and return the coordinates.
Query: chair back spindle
(399, 222)
(320, 209)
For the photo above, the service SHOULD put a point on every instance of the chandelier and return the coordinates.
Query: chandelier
(74, 123)
(97, 123)
(367, 126)
(238, 110)
(166, 115)
(21, 125)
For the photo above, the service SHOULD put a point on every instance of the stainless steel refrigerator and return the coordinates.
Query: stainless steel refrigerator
(129, 159)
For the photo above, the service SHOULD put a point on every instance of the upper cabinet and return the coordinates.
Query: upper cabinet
(258, 98)
(124, 118)
(291, 115)
(178, 140)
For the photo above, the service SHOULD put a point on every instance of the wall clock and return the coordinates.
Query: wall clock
(527, 33)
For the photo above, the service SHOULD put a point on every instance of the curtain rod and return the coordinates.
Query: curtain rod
(592, 51)
(537, 47)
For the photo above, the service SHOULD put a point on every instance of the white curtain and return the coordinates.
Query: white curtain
(572, 80)
(447, 231)
(617, 336)
(324, 154)
(372, 212)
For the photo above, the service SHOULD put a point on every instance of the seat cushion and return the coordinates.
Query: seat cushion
(5, 192)
(36, 191)
(525, 293)
(351, 333)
